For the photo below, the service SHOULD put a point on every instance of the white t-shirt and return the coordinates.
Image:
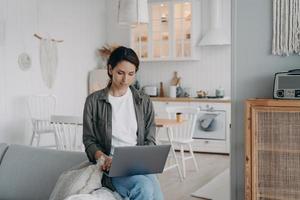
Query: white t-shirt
(124, 123)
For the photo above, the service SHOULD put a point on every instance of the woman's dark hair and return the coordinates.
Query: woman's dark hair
(122, 54)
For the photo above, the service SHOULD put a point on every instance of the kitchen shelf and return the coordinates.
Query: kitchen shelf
(191, 99)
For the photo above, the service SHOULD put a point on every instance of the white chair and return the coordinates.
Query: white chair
(41, 107)
(69, 132)
(163, 123)
(183, 135)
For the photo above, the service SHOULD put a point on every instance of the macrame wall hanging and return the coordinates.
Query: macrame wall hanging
(286, 27)
(48, 59)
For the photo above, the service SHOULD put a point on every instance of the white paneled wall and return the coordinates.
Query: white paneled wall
(210, 72)
(82, 26)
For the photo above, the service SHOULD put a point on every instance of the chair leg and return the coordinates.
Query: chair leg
(182, 160)
(38, 140)
(56, 140)
(32, 138)
(193, 156)
(169, 132)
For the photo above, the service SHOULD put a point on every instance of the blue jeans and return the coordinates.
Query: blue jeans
(138, 187)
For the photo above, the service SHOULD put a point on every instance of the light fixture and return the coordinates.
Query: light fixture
(216, 35)
(133, 12)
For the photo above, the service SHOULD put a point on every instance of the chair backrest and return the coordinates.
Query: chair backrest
(189, 115)
(68, 130)
(41, 107)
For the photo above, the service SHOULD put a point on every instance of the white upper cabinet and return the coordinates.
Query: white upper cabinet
(172, 32)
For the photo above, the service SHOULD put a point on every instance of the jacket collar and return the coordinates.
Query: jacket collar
(103, 94)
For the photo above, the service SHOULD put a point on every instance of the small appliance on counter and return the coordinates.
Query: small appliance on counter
(172, 91)
(202, 94)
(287, 85)
(150, 90)
(220, 92)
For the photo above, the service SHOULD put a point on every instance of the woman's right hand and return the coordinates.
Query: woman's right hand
(103, 160)
(107, 160)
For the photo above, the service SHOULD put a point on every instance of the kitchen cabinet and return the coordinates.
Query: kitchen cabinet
(172, 32)
(272, 149)
(213, 141)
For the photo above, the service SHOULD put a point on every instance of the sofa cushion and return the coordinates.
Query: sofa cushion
(31, 173)
(3, 148)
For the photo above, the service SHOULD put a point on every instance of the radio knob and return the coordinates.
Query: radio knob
(297, 93)
(280, 93)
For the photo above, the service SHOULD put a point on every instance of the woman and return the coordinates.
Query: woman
(119, 115)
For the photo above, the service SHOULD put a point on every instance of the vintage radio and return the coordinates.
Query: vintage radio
(287, 85)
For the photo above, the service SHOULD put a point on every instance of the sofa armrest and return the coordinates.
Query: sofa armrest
(31, 173)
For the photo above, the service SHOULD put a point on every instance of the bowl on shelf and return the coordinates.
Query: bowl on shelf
(201, 94)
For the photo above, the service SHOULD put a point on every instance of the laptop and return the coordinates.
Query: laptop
(136, 160)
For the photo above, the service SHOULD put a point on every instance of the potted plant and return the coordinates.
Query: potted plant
(105, 52)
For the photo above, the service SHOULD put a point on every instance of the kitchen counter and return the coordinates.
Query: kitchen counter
(192, 99)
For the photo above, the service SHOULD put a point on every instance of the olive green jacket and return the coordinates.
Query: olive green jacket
(97, 124)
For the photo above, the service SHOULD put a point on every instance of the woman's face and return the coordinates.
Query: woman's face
(123, 74)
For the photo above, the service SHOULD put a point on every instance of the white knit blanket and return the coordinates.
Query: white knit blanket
(101, 194)
(83, 183)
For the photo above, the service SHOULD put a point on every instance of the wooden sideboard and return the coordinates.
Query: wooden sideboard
(272, 149)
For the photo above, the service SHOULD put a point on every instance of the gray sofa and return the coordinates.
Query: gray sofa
(29, 173)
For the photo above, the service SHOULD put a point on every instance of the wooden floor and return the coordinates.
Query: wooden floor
(210, 165)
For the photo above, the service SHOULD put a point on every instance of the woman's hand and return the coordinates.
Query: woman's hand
(103, 161)
(107, 162)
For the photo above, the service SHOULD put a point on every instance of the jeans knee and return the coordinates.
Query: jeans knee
(143, 190)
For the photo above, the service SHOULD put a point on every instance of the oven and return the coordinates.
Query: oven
(210, 124)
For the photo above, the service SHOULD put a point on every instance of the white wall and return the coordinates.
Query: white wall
(210, 72)
(253, 73)
(80, 24)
